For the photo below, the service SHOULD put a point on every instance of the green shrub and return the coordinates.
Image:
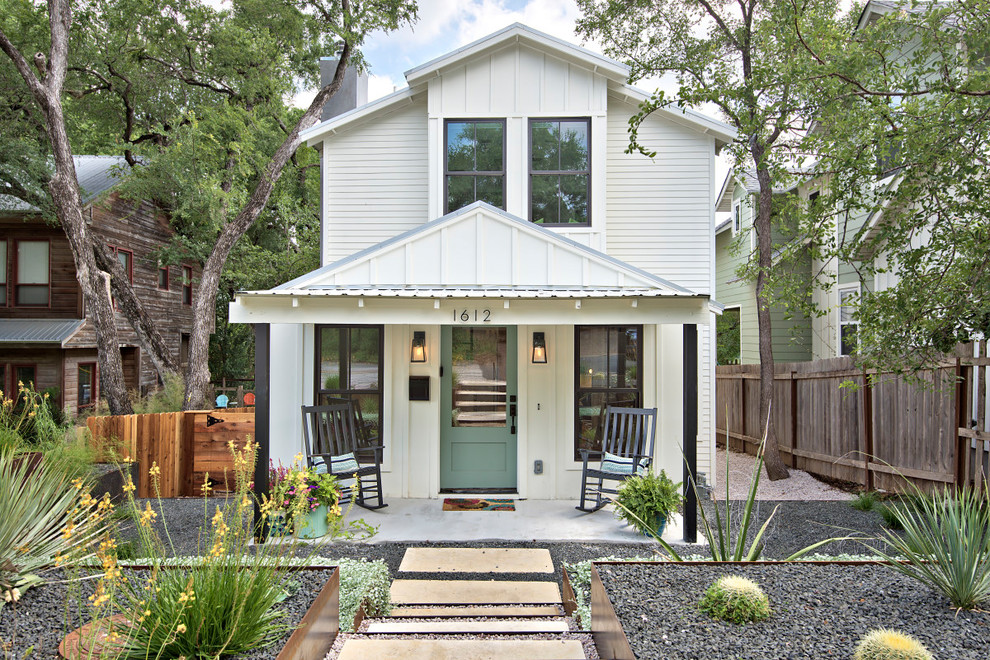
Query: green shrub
(168, 398)
(885, 644)
(889, 516)
(946, 543)
(644, 500)
(362, 580)
(735, 599)
(865, 501)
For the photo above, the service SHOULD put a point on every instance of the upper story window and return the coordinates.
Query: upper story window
(187, 285)
(736, 218)
(126, 259)
(559, 171)
(3, 273)
(474, 166)
(32, 283)
(163, 278)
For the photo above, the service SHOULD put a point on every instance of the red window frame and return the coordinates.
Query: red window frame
(165, 270)
(130, 262)
(187, 286)
(92, 385)
(13, 271)
(6, 282)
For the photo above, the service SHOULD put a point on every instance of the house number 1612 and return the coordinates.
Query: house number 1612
(473, 316)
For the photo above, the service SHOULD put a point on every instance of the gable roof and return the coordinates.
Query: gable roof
(96, 175)
(479, 251)
(616, 73)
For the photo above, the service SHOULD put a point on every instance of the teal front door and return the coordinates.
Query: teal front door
(477, 407)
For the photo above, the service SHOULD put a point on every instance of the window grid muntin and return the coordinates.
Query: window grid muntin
(473, 174)
(558, 173)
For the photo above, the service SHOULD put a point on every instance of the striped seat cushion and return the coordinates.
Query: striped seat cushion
(343, 464)
(614, 464)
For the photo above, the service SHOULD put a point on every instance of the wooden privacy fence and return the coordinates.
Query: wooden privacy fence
(877, 435)
(185, 446)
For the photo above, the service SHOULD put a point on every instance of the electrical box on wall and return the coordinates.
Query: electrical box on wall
(419, 388)
(537, 466)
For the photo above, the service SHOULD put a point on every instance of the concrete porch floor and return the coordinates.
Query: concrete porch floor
(422, 520)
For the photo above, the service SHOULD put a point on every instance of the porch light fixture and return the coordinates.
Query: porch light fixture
(418, 351)
(539, 348)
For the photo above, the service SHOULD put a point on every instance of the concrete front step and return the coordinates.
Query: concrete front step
(473, 592)
(476, 611)
(476, 560)
(462, 649)
(466, 627)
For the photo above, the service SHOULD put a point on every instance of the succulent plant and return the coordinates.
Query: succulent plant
(883, 644)
(735, 599)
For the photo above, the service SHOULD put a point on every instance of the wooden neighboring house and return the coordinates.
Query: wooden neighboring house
(46, 336)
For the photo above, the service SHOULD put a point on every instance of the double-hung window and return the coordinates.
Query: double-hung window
(848, 321)
(559, 171)
(474, 165)
(32, 285)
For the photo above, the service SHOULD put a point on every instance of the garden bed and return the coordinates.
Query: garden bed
(41, 618)
(817, 610)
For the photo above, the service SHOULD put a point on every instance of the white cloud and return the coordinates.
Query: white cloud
(379, 86)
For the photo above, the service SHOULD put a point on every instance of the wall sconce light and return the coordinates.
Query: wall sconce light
(539, 348)
(418, 351)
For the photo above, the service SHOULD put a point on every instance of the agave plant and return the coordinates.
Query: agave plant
(945, 541)
(46, 515)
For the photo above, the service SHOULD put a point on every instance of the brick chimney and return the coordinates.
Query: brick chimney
(353, 92)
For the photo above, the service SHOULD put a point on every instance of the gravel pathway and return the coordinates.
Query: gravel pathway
(799, 486)
(817, 612)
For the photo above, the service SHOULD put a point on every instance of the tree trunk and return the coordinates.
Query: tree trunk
(64, 189)
(204, 306)
(774, 465)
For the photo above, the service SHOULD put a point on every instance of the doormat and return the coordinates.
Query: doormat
(452, 504)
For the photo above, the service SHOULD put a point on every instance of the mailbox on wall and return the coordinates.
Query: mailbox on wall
(419, 388)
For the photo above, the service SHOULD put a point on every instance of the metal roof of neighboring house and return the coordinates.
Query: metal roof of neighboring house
(96, 174)
(38, 331)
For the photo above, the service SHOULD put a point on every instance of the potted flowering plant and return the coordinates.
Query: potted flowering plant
(307, 499)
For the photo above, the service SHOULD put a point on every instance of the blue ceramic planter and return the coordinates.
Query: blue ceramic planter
(312, 525)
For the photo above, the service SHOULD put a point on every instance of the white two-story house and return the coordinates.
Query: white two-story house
(496, 267)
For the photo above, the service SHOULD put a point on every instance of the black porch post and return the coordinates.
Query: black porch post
(262, 417)
(690, 356)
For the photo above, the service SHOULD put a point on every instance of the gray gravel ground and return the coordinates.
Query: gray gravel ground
(817, 611)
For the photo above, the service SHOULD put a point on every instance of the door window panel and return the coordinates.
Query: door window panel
(478, 382)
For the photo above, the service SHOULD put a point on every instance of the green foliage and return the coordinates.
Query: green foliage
(168, 398)
(47, 517)
(883, 644)
(865, 501)
(642, 501)
(579, 574)
(728, 332)
(946, 543)
(735, 599)
(363, 581)
(889, 516)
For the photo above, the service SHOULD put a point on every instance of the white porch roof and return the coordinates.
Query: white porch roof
(477, 252)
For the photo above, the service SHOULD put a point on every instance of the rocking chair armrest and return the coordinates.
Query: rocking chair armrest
(586, 454)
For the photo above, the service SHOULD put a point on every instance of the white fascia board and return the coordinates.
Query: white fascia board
(519, 33)
(723, 203)
(722, 132)
(316, 134)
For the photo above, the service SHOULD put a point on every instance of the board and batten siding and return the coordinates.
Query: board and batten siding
(376, 180)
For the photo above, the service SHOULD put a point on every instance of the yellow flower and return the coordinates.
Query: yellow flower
(206, 483)
(181, 628)
(148, 515)
(77, 483)
(129, 487)
(154, 471)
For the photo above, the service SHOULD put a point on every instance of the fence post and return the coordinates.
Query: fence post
(867, 417)
(962, 444)
(794, 418)
(742, 415)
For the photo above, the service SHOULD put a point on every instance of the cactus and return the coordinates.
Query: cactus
(735, 599)
(886, 644)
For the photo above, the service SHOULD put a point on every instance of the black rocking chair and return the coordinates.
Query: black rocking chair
(335, 437)
(628, 438)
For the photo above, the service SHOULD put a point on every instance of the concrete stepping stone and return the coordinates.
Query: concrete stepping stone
(475, 611)
(470, 627)
(476, 560)
(462, 649)
(473, 592)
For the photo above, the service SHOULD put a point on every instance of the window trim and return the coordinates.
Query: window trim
(529, 170)
(318, 390)
(187, 285)
(93, 384)
(736, 217)
(578, 390)
(839, 290)
(168, 276)
(130, 262)
(474, 173)
(16, 283)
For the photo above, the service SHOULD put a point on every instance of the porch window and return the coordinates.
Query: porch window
(474, 167)
(349, 366)
(559, 171)
(87, 384)
(609, 368)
